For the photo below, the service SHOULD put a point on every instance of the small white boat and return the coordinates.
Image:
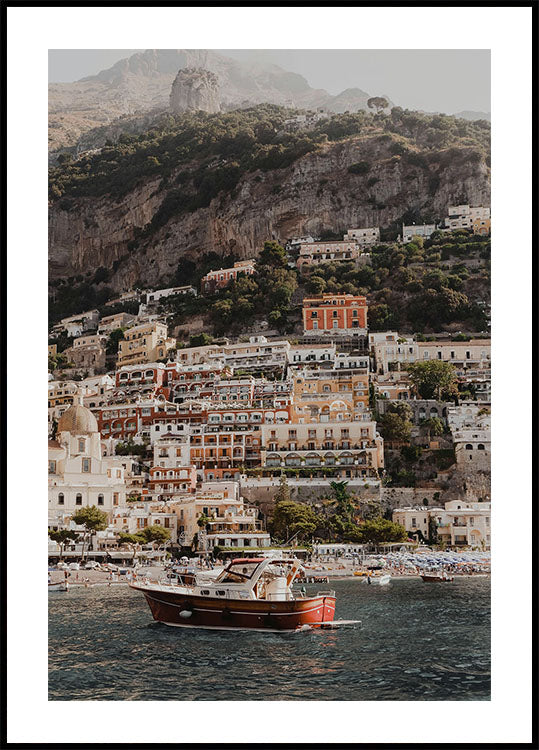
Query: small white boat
(60, 586)
(378, 580)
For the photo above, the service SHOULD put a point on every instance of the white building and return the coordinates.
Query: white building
(256, 354)
(463, 217)
(300, 354)
(172, 450)
(470, 429)
(229, 522)
(79, 475)
(364, 237)
(459, 523)
(155, 296)
(76, 325)
(419, 230)
(390, 347)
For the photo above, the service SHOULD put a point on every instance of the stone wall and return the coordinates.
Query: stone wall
(402, 497)
(262, 491)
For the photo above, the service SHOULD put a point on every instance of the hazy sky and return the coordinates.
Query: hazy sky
(433, 80)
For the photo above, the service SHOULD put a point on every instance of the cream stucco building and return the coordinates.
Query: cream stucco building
(145, 343)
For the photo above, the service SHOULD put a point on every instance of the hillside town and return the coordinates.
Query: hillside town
(194, 444)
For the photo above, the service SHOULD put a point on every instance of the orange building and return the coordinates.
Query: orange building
(335, 313)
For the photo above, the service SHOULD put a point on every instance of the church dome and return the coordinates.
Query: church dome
(78, 420)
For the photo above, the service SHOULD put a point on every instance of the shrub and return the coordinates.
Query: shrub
(361, 167)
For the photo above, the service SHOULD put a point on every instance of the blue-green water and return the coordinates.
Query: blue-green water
(417, 641)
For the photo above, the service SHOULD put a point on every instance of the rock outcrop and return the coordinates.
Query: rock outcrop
(315, 193)
(195, 89)
(142, 82)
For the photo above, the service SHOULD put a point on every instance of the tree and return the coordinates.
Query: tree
(92, 519)
(434, 379)
(316, 285)
(133, 541)
(380, 529)
(291, 518)
(434, 426)
(61, 537)
(155, 534)
(377, 102)
(114, 339)
(202, 339)
(394, 427)
(273, 255)
(433, 531)
(202, 521)
(283, 493)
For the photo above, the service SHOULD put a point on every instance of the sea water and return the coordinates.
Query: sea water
(417, 641)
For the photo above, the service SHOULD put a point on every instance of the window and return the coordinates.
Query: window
(85, 465)
(82, 445)
(480, 447)
(439, 355)
(315, 325)
(100, 500)
(469, 447)
(52, 467)
(78, 500)
(61, 498)
(115, 499)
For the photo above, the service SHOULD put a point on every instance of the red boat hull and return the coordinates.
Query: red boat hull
(238, 614)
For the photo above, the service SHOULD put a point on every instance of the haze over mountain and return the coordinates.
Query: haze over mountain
(143, 82)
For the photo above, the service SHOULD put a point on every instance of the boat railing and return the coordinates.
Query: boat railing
(330, 592)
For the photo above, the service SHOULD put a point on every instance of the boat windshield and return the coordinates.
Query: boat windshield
(238, 572)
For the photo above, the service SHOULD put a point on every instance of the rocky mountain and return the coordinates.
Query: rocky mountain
(193, 90)
(251, 184)
(143, 82)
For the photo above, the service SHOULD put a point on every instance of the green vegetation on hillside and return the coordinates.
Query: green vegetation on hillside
(199, 155)
(419, 286)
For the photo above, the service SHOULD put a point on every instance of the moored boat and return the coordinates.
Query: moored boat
(436, 577)
(382, 580)
(249, 594)
(60, 586)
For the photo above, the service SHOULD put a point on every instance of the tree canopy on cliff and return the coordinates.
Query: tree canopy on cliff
(198, 155)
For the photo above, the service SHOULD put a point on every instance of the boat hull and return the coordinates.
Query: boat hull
(237, 614)
(58, 587)
(436, 579)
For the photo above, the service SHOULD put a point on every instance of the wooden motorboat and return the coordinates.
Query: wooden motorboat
(250, 594)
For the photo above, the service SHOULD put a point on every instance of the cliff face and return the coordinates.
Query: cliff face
(315, 193)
